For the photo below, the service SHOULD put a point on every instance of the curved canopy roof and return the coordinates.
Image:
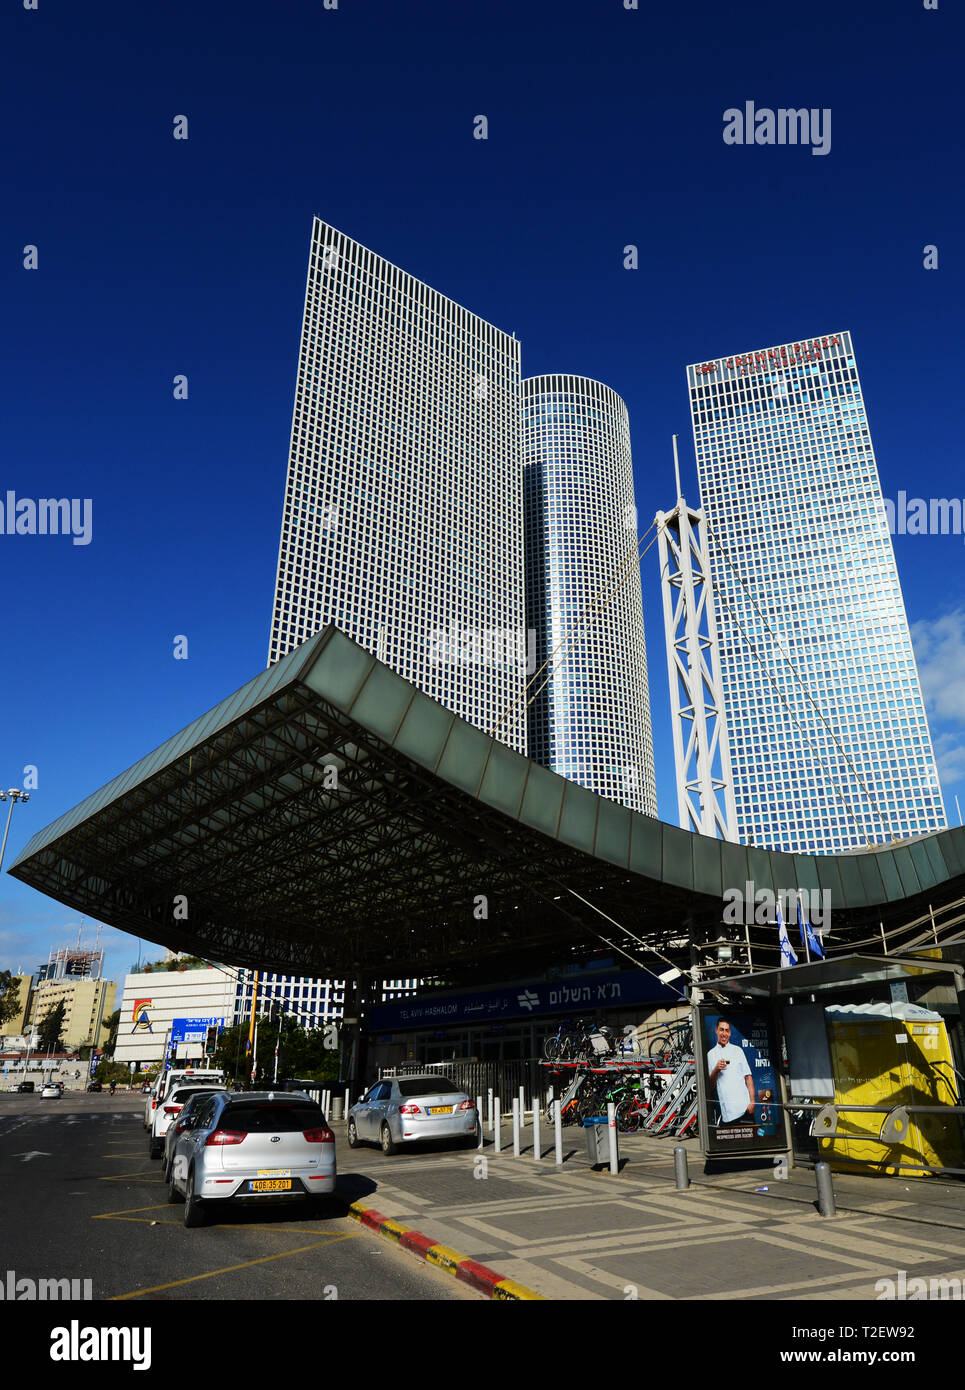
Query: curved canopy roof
(329, 818)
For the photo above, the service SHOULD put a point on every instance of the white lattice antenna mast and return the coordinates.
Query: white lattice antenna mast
(705, 785)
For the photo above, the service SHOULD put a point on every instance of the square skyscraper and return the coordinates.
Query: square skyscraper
(828, 735)
(403, 518)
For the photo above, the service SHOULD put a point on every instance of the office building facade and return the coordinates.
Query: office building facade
(402, 519)
(828, 736)
(590, 718)
(87, 1004)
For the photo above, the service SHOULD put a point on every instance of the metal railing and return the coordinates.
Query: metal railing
(476, 1078)
(893, 1130)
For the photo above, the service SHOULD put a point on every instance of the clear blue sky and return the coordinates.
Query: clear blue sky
(159, 257)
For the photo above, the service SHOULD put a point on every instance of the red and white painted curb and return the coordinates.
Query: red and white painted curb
(470, 1272)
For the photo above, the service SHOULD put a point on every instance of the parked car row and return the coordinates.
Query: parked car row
(50, 1089)
(223, 1146)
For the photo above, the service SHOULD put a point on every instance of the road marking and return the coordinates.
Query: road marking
(138, 1220)
(144, 1173)
(34, 1153)
(229, 1269)
(107, 1215)
(125, 1215)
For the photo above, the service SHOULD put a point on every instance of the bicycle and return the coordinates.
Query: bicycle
(580, 1044)
(671, 1047)
(560, 1046)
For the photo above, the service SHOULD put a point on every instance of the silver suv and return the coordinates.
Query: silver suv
(255, 1146)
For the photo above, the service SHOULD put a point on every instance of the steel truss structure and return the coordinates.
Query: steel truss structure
(705, 783)
(329, 819)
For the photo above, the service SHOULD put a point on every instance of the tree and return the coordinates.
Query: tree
(112, 1022)
(304, 1053)
(50, 1028)
(9, 995)
(118, 1072)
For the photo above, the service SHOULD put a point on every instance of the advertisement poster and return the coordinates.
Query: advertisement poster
(739, 1083)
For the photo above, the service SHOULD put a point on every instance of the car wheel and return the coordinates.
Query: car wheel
(173, 1193)
(388, 1143)
(353, 1135)
(153, 1148)
(194, 1213)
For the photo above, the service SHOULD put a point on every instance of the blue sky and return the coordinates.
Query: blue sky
(158, 257)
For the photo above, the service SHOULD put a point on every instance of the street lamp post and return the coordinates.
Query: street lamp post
(15, 795)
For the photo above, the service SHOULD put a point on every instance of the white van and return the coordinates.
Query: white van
(198, 1076)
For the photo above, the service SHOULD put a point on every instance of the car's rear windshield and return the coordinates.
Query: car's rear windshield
(271, 1117)
(410, 1086)
(184, 1093)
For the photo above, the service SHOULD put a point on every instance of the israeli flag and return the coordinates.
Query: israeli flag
(787, 950)
(807, 935)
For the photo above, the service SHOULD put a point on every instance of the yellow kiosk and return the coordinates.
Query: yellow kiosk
(891, 1055)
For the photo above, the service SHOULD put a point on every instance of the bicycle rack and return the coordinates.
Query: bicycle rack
(689, 1117)
(676, 1090)
(578, 1078)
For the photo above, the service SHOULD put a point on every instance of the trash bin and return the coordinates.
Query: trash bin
(597, 1133)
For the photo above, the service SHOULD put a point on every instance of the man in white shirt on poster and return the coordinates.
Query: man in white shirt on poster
(730, 1073)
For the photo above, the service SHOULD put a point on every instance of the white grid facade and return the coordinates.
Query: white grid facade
(312, 1002)
(590, 720)
(789, 484)
(403, 516)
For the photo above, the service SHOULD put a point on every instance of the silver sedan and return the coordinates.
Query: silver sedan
(412, 1109)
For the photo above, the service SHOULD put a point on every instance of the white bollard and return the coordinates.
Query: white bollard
(489, 1110)
(496, 1138)
(326, 1104)
(515, 1128)
(522, 1105)
(536, 1153)
(479, 1116)
(611, 1119)
(558, 1123)
(348, 1103)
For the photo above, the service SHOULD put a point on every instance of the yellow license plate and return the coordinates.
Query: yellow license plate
(270, 1185)
(440, 1109)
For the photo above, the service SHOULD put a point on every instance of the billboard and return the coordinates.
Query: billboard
(737, 1080)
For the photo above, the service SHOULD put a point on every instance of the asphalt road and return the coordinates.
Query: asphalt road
(81, 1200)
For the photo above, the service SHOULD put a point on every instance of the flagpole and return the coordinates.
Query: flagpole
(804, 935)
(251, 1025)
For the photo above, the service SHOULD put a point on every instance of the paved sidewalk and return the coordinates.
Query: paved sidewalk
(575, 1233)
